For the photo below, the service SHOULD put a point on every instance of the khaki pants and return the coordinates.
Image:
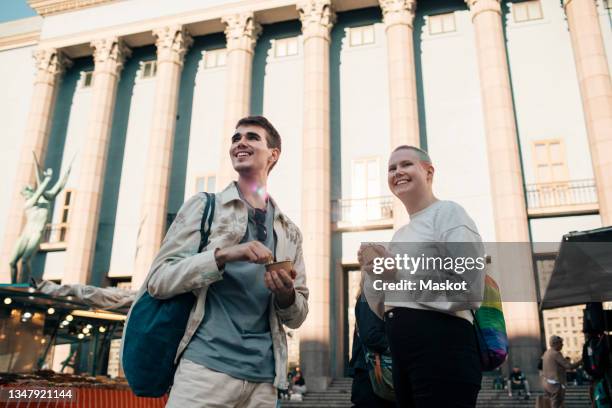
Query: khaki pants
(556, 394)
(196, 386)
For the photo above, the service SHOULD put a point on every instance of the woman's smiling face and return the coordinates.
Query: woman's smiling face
(407, 174)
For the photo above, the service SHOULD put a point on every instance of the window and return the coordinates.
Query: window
(366, 178)
(121, 283)
(65, 211)
(286, 47)
(148, 69)
(527, 11)
(549, 158)
(365, 186)
(214, 58)
(86, 79)
(127, 285)
(441, 23)
(552, 187)
(205, 183)
(361, 35)
(608, 4)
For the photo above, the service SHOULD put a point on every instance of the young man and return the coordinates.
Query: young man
(517, 381)
(234, 351)
(432, 340)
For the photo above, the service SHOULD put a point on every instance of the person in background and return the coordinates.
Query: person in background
(517, 381)
(298, 382)
(498, 381)
(369, 332)
(554, 368)
(571, 374)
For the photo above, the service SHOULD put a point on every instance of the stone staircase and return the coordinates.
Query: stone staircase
(338, 395)
(575, 397)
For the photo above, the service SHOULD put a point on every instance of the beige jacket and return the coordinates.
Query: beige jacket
(179, 268)
(554, 366)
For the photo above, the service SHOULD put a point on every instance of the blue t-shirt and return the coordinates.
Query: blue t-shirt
(234, 336)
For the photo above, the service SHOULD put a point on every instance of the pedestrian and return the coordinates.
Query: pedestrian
(234, 350)
(554, 368)
(299, 383)
(432, 338)
(518, 381)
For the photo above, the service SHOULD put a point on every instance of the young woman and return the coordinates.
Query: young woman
(432, 338)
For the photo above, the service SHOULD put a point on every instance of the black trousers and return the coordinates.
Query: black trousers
(362, 394)
(435, 359)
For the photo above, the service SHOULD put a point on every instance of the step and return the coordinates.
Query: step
(339, 393)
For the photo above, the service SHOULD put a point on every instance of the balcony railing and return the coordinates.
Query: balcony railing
(575, 196)
(362, 212)
(54, 237)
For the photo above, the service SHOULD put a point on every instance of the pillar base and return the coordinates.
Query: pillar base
(317, 384)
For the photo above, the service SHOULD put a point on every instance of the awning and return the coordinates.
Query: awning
(83, 313)
(33, 321)
(582, 271)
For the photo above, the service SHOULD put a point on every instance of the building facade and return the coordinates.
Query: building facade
(512, 100)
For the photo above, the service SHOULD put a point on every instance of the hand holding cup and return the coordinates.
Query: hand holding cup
(279, 278)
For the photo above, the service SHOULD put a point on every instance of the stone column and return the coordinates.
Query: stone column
(398, 16)
(317, 18)
(172, 44)
(109, 55)
(241, 33)
(50, 65)
(514, 262)
(596, 90)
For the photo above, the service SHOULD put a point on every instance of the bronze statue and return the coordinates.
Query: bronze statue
(37, 208)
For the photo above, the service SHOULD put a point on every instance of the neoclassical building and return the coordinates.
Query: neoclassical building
(513, 100)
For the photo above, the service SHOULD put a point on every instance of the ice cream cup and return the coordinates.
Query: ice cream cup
(275, 266)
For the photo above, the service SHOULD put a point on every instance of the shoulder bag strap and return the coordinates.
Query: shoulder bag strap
(207, 218)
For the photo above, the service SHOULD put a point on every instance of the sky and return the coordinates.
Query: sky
(14, 9)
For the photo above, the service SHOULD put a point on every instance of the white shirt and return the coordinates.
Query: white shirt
(441, 222)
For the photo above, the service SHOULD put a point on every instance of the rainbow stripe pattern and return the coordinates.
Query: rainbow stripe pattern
(490, 328)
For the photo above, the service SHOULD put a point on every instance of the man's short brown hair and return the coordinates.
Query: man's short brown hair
(273, 140)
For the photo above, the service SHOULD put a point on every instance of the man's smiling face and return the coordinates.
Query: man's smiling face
(249, 150)
(408, 175)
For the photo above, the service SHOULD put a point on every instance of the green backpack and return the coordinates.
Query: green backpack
(154, 330)
(380, 368)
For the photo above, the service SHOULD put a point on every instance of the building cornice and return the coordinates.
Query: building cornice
(19, 40)
(206, 20)
(46, 7)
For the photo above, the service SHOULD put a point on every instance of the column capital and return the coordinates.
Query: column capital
(241, 31)
(110, 54)
(317, 17)
(50, 64)
(172, 43)
(479, 6)
(566, 2)
(398, 12)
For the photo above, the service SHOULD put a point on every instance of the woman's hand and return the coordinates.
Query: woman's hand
(368, 252)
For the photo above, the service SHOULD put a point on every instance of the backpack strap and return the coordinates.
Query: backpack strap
(378, 368)
(207, 218)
